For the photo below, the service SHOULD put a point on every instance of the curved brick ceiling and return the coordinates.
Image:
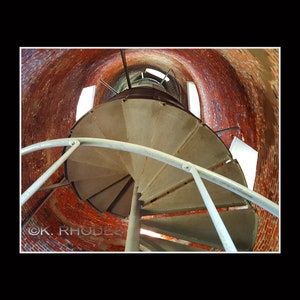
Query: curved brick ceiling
(237, 87)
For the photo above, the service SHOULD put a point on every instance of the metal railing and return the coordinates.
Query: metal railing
(197, 172)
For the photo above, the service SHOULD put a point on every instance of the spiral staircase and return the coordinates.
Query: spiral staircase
(169, 202)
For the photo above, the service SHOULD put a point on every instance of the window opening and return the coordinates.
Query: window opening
(86, 101)
(158, 74)
(247, 158)
(193, 99)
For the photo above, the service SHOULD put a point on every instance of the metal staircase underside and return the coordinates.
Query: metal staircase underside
(105, 178)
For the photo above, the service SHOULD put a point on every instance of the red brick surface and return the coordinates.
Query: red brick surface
(237, 87)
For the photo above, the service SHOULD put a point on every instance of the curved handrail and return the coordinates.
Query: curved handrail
(176, 162)
(179, 163)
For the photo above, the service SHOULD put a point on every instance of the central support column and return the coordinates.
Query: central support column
(133, 232)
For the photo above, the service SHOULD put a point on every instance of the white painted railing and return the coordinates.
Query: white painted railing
(197, 172)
